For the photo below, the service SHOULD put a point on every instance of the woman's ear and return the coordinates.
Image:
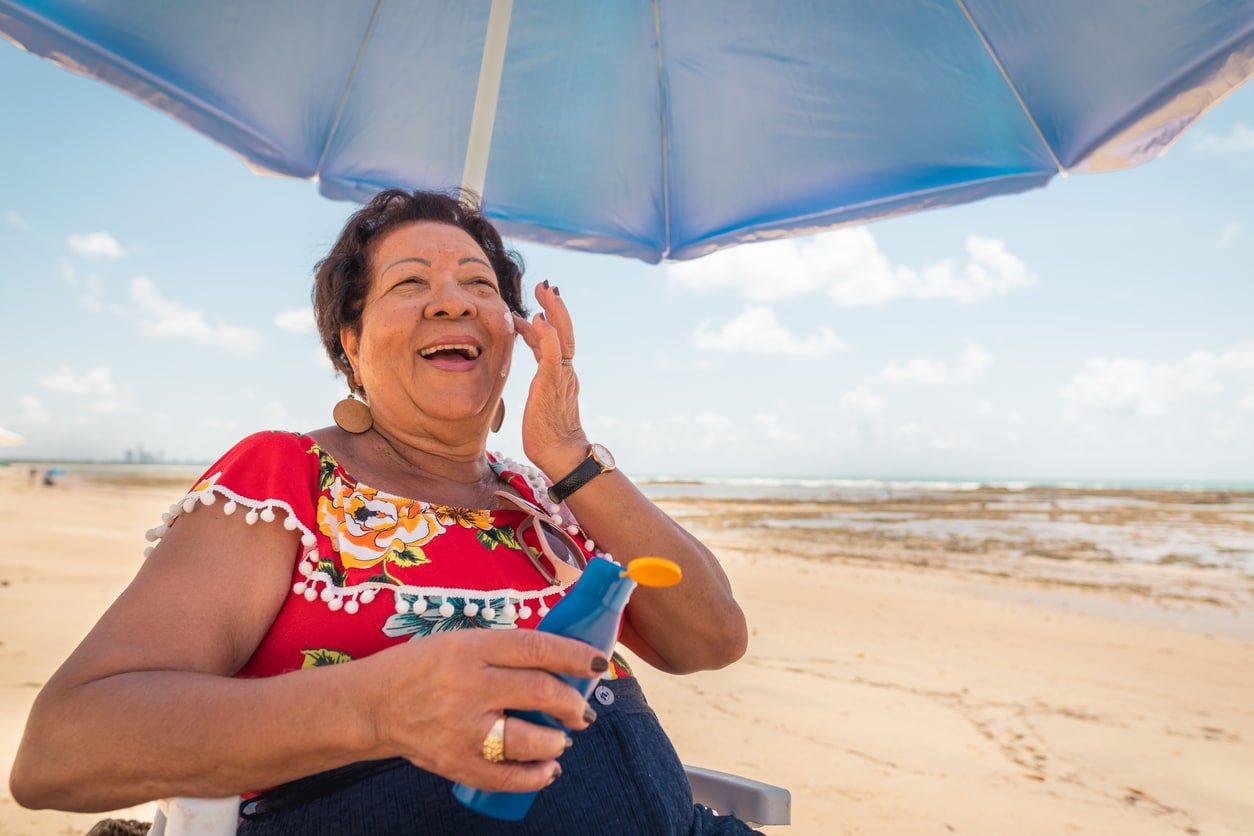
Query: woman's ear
(349, 340)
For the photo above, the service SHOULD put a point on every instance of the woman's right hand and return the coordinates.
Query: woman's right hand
(440, 695)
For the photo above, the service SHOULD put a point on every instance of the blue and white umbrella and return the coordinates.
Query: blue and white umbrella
(670, 128)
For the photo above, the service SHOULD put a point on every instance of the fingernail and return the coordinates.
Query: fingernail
(557, 291)
(569, 742)
(557, 773)
(589, 716)
(545, 284)
(600, 664)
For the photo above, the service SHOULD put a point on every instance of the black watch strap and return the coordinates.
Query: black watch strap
(576, 479)
(599, 461)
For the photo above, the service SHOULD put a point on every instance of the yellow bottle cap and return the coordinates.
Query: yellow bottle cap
(654, 571)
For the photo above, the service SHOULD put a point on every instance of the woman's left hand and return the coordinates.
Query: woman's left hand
(552, 434)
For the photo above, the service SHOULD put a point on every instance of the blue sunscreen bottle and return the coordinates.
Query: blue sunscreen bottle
(591, 611)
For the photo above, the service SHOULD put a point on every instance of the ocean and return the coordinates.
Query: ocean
(1207, 525)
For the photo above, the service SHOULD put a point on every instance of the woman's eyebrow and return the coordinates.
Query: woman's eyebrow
(467, 260)
(404, 260)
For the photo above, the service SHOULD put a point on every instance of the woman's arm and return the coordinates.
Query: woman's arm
(696, 625)
(146, 708)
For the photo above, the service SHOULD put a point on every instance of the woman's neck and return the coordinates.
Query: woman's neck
(416, 467)
(464, 464)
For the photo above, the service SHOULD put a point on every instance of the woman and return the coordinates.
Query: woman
(302, 611)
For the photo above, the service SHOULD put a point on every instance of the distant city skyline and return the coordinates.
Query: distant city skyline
(157, 297)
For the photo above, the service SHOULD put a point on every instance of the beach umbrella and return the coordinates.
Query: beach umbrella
(670, 128)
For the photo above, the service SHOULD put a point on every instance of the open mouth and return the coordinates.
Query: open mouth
(452, 351)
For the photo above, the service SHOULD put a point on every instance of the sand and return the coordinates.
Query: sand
(965, 676)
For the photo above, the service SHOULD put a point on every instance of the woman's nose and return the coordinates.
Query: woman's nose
(450, 300)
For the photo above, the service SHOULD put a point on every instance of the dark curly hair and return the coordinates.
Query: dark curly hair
(343, 277)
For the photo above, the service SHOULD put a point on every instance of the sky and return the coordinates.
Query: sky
(156, 298)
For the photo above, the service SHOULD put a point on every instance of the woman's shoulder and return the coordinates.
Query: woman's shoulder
(272, 443)
(263, 466)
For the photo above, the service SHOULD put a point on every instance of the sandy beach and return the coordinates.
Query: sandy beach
(975, 662)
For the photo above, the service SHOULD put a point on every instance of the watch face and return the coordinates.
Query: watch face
(605, 457)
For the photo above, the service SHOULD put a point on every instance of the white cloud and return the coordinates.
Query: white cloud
(90, 290)
(296, 320)
(97, 383)
(990, 271)
(160, 317)
(96, 245)
(971, 365)
(14, 219)
(1227, 235)
(757, 331)
(683, 438)
(10, 437)
(1240, 140)
(861, 400)
(1127, 385)
(850, 268)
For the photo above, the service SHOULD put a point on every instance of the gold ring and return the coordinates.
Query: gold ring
(568, 361)
(494, 743)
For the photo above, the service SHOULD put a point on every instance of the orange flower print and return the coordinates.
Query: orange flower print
(367, 528)
(465, 517)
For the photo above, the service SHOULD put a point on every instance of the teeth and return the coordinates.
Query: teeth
(471, 351)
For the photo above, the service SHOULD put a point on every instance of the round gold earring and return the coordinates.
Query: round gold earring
(353, 415)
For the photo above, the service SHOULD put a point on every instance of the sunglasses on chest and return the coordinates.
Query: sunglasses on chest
(559, 559)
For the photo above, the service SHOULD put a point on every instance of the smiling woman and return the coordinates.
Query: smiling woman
(399, 592)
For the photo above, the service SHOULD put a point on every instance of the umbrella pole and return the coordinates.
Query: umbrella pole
(484, 117)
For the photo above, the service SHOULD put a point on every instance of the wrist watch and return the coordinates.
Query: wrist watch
(599, 461)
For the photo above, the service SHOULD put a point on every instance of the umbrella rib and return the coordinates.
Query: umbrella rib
(348, 85)
(661, 95)
(1009, 83)
(488, 91)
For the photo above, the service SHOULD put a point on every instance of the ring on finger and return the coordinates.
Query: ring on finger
(494, 743)
(568, 361)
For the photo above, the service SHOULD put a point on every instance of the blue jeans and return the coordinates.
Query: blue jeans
(622, 777)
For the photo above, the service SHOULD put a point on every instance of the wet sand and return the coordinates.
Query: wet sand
(981, 662)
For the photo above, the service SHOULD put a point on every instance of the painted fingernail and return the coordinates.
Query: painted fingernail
(600, 664)
(557, 773)
(545, 284)
(569, 742)
(589, 716)
(557, 291)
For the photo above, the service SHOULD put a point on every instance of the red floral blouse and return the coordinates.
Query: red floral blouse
(374, 569)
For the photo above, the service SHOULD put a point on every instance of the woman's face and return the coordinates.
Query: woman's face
(435, 336)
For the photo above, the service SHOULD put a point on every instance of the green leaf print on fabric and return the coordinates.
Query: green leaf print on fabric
(431, 620)
(409, 556)
(322, 656)
(326, 469)
(498, 536)
(335, 573)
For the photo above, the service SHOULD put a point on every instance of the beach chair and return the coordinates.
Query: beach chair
(752, 801)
